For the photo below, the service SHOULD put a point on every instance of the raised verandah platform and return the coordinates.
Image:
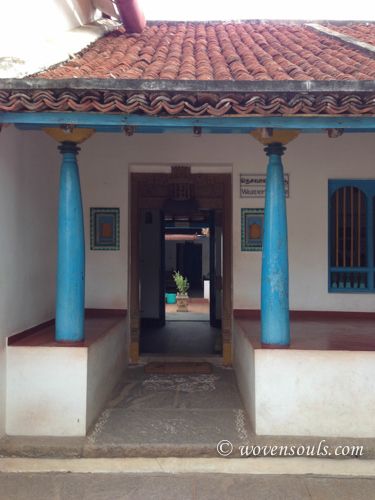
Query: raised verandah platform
(285, 392)
(323, 384)
(59, 388)
(317, 330)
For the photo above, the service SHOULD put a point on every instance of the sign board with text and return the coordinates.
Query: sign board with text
(254, 185)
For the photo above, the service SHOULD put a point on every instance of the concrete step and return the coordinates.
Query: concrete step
(272, 447)
(175, 465)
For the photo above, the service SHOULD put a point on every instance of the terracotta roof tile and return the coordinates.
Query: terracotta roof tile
(223, 51)
(201, 104)
(363, 32)
(237, 61)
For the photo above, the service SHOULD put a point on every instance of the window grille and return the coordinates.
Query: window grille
(351, 235)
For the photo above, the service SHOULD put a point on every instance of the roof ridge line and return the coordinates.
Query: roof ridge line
(368, 47)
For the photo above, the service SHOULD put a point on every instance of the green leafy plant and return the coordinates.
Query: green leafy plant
(182, 283)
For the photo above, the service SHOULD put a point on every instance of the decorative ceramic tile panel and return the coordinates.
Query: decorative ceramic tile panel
(252, 220)
(104, 228)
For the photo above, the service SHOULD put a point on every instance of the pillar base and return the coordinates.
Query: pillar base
(71, 343)
(275, 346)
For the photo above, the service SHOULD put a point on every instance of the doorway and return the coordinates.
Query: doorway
(187, 251)
(187, 232)
(187, 247)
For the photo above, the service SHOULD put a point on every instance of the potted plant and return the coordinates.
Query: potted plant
(182, 286)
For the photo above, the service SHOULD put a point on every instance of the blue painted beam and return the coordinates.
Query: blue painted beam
(187, 130)
(275, 329)
(225, 122)
(70, 294)
(148, 129)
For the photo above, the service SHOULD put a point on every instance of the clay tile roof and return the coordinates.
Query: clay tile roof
(363, 32)
(222, 51)
(211, 69)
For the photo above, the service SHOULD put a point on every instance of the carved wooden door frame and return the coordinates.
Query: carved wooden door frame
(213, 192)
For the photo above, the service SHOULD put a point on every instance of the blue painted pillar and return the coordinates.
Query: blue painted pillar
(70, 296)
(275, 279)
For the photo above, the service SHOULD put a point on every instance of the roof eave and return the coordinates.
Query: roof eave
(213, 86)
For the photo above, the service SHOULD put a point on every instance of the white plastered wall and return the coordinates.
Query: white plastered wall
(104, 183)
(47, 391)
(106, 361)
(310, 160)
(28, 211)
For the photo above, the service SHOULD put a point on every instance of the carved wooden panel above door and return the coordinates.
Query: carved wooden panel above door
(207, 189)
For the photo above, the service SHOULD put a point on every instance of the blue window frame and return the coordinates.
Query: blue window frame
(351, 236)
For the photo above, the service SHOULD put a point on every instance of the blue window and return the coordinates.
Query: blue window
(351, 235)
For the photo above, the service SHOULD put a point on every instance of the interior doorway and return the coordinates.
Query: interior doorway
(188, 246)
(187, 251)
(180, 222)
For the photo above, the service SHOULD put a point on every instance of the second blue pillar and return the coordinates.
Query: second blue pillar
(275, 326)
(70, 299)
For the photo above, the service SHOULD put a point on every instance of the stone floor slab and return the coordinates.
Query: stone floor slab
(212, 487)
(174, 411)
(215, 391)
(94, 487)
(177, 426)
(60, 486)
(343, 488)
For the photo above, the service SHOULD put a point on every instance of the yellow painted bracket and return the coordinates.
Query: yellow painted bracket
(69, 134)
(269, 135)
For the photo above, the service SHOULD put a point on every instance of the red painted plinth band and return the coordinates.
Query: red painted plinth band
(275, 346)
